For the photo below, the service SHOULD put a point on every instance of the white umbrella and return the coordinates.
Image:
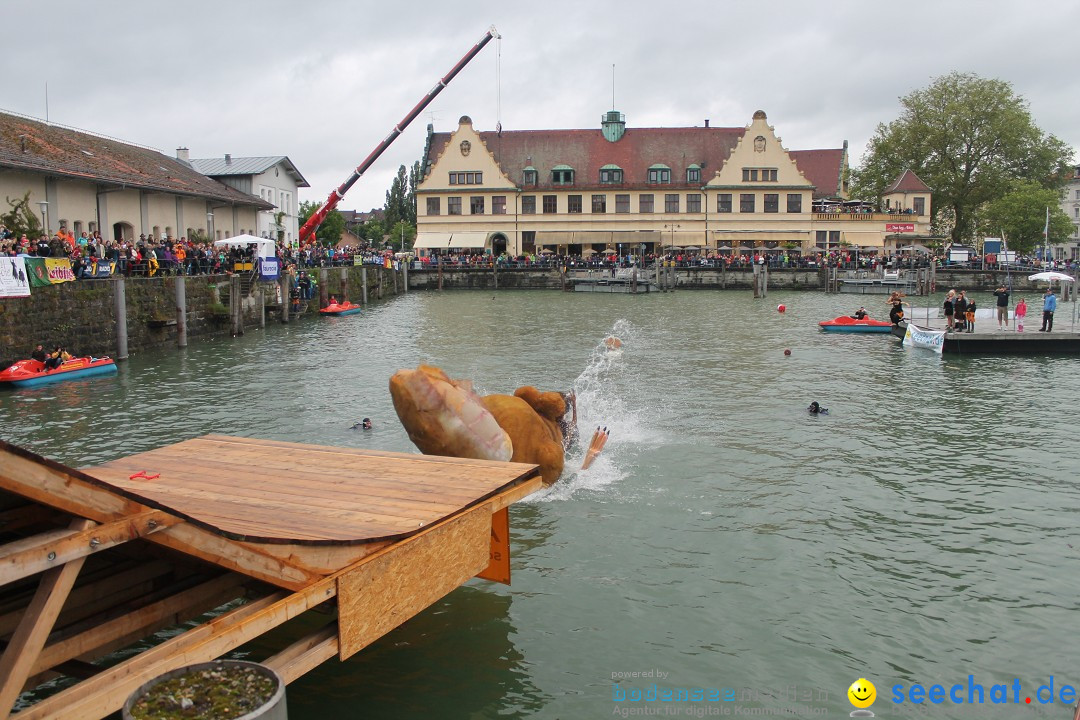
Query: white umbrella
(1051, 275)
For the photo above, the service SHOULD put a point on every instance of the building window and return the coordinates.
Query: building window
(434, 206)
(759, 174)
(498, 205)
(466, 178)
(794, 202)
(622, 203)
(551, 204)
(723, 203)
(693, 202)
(671, 203)
(746, 202)
(919, 204)
(476, 206)
(645, 203)
(599, 203)
(822, 238)
(611, 176)
(834, 237)
(659, 175)
(772, 203)
(562, 177)
(528, 204)
(453, 206)
(528, 177)
(693, 175)
(573, 203)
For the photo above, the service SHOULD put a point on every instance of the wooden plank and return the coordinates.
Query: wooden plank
(35, 626)
(322, 559)
(305, 654)
(393, 586)
(30, 556)
(29, 514)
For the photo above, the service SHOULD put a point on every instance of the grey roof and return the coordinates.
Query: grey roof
(217, 167)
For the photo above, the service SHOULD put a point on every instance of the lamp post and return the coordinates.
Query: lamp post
(44, 216)
(210, 227)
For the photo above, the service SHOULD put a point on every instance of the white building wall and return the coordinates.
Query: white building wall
(278, 187)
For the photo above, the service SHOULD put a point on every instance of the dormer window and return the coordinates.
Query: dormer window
(659, 175)
(529, 176)
(759, 174)
(611, 175)
(562, 175)
(693, 174)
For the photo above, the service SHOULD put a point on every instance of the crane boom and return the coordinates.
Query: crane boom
(338, 193)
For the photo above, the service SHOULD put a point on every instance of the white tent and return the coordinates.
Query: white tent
(263, 246)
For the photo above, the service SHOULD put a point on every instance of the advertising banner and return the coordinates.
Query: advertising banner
(100, 269)
(14, 281)
(59, 270)
(921, 338)
(899, 227)
(36, 272)
(269, 269)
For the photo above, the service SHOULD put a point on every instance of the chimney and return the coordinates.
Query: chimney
(183, 154)
(228, 159)
(706, 122)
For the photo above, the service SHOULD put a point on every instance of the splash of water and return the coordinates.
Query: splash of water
(601, 390)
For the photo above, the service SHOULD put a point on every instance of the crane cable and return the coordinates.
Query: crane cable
(498, 85)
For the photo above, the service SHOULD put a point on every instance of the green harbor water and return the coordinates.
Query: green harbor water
(923, 531)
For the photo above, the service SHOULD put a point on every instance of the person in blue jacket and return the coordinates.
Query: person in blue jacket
(1049, 306)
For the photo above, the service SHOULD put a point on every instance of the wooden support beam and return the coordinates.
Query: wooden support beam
(305, 654)
(106, 692)
(35, 626)
(122, 631)
(29, 556)
(94, 597)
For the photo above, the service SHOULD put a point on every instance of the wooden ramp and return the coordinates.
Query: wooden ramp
(96, 560)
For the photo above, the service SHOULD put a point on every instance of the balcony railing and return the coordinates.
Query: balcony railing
(863, 217)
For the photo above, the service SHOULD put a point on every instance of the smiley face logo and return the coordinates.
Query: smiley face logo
(862, 693)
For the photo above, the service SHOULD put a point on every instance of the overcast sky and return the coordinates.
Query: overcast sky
(324, 82)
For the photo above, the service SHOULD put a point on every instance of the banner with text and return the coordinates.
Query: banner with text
(59, 270)
(920, 338)
(899, 227)
(14, 281)
(269, 269)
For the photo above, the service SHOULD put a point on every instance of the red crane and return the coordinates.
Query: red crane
(337, 194)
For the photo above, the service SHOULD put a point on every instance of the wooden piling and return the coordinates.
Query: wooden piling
(343, 285)
(121, 317)
(286, 298)
(324, 296)
(181, 311)
(236, 305)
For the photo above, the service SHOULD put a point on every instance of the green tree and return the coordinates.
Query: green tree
(329, 233)
(373, 230)
(401, 236)
(410, 199)
(397, 199)
(1021, 215)
(969, 139)
(21, 219)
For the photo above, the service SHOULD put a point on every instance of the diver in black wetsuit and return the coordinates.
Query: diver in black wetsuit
(816, 409)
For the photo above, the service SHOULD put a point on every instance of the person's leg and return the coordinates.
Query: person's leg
(1050, 321)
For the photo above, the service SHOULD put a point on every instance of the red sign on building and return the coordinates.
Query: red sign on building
(899, 227)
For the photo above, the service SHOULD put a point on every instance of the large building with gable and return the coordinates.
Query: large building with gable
(86, 182)
(651, 190)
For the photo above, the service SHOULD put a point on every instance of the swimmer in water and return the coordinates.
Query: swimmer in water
(364, 424)
(816, 409)
(612, 343)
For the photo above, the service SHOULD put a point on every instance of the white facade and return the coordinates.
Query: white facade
(1070, 205)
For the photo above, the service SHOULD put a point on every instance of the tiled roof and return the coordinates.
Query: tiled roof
(586, 151)
(823, 168)
(907, 182)
(218, 167)
(34, 146)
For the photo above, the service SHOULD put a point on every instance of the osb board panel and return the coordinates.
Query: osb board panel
(279, 492)
(408, 577)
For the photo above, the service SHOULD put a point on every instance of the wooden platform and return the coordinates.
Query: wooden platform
(94, 560)
(987, 340)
